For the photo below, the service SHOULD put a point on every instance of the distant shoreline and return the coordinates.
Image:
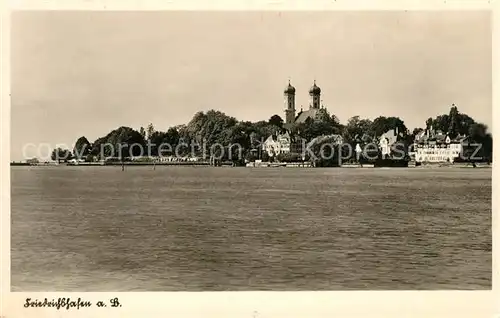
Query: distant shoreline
(272, 165)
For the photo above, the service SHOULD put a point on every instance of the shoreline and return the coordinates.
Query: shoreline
(267, 165)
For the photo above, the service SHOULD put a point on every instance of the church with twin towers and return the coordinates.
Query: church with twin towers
(284, 142)
(291, 117)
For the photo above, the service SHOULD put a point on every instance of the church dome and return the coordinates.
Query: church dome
(315, 89)
(289, 89)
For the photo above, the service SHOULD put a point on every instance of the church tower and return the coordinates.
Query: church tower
(289, 104)
(314, 94)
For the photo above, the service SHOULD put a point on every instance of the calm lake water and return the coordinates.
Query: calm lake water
(201, 228)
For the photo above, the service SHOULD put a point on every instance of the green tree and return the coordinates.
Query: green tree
(326, 150)
(276, 121)
(478, 132)
(142, 131)
(428, 123)
(61, 155)
(126, 139)
(416, 131)
(383, 124)
(150, 131)
(172, 136)
(164, 141)
(323, 124)
(237, 141)
(442, 123)
(464, 122)
(355, 129)
(326, 123)
(82, 148)
(209, 127)
(453, 124)
(479, 136)
(157, 138)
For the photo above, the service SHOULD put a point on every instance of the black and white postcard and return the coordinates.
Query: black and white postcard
(223, 157)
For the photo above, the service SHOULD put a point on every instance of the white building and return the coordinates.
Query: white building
(387, 140)
(437, 147)
(277, 144)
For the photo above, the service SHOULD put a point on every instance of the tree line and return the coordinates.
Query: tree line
(215, 127)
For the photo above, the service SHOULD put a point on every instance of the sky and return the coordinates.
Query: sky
(83, 73)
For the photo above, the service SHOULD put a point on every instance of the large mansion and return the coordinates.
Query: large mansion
(430, 146)
(435, 146)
